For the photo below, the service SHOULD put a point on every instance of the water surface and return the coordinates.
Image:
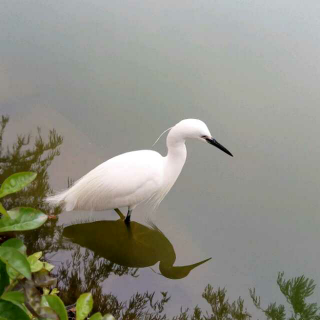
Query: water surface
(111, 76)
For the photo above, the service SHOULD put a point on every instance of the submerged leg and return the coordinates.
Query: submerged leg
(127, 219)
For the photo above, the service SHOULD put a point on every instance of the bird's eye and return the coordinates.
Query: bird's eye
(204, 137)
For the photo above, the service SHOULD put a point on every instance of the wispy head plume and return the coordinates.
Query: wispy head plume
(162, 135)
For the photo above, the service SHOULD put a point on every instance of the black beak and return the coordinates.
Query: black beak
(219, 146)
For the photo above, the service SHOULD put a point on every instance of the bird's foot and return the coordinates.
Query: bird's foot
(127, 220)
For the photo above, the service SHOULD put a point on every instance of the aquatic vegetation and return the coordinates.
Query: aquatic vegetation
(31, 154)
(16, 267)
(296, 291)
(25, 281)
(21, 218)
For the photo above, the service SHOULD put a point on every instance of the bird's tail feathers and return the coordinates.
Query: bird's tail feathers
(59, 199)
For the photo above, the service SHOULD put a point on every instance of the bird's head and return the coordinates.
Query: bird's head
(197, 129)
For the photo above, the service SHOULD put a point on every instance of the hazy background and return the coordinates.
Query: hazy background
(110, 76)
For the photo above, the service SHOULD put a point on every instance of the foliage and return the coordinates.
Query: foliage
(221, 308)
(296, 291)
(84, 273)
(22, 157)
(15, 266)
(24, 296)
(87, 270)
(35, 155)
(21, 276)
(25, 280)
(23, 218)
(141, 306)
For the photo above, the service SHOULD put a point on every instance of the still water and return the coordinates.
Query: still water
(109, 77)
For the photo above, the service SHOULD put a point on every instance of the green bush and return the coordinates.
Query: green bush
(25, 281)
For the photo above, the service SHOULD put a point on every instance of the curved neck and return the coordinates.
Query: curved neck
(176, 157)
(176, 143)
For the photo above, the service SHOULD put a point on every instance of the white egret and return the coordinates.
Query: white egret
(134, 177)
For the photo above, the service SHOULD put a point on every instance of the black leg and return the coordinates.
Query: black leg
(127, 219)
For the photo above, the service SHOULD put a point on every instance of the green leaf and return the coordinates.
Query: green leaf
(54, 291)
(46, 291)
(44, 302)
(48, 314)
(16, 182)
(57, 305)
(35, 264)
(22, 219)
(15, 243)
(3, 211)
(84, 306)
(96, 316)
(19, 245)
(13, 273)
(4, 278)
(36, 255)
(13, 296)
(10, 311)
(108, 316)
(15, 259)
(48, 266)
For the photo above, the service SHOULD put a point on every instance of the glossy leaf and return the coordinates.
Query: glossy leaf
(84, 306)
(96, 316)
(44, 302)
(108, 317)
(58, 306)
(54, 291)
(13, 296)
(22, 219)
(35, 264)
(46, 291)
(15, 243)
(13, 273)
(10, 311)
(36, 255)
(4, 278)
(3, 211)
(17, 298)
(48, 314)
(48, 266)
(16, 182)
(15, 259)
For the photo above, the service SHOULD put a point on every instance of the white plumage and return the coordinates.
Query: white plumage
(133, 177)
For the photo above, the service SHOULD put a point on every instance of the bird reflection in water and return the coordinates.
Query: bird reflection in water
(133, 246)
